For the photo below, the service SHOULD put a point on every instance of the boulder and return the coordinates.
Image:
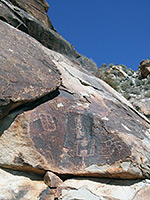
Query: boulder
(16, 185)
(105, 189)
(144, 68)
(87, 129)
(51, 180)
(26, 72)
(25, 22)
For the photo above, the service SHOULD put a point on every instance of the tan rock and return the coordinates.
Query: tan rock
(143, 193)
(143, 106)
(17, 150)
(52, 180)
(119, 69)
(37, 9)
(105, 189)
(144, 68)
(22, 186)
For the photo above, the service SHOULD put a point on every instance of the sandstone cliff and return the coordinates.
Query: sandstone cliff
(64, 133)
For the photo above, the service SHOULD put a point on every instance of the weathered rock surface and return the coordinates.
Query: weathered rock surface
(144, 68)
(60, 122)
(51, 180)
(88, 129)
(48, 37)
(105, 189)
(26, 72)
(37, 8)
(143, 106)
(16, 185)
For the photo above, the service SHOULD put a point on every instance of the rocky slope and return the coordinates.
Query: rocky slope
(58, 122)
(133, 85)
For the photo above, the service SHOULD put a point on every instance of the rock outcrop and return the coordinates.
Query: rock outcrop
(130, 84)
(25, 22)
(59, 122)
(144, 68)
(37, 8)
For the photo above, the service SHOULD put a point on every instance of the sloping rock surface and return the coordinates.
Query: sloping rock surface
(25, 22)
(60, 122)
(26, 72)
(88, 129)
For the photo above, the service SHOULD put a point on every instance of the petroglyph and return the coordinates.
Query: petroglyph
(47, 121)
(84, 148)
(79, 127)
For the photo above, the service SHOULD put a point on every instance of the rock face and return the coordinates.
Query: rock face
(143, 106)
(60, 122)
(20, 81)
(81, 131)
(145, 68)
(37, 8)
(23, 186)
(95, 189)
(130, 84)
(25, 22)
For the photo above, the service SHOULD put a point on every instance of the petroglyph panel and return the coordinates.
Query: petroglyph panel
(71, 136)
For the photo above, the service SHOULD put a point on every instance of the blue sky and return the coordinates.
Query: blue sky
(107, 31)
